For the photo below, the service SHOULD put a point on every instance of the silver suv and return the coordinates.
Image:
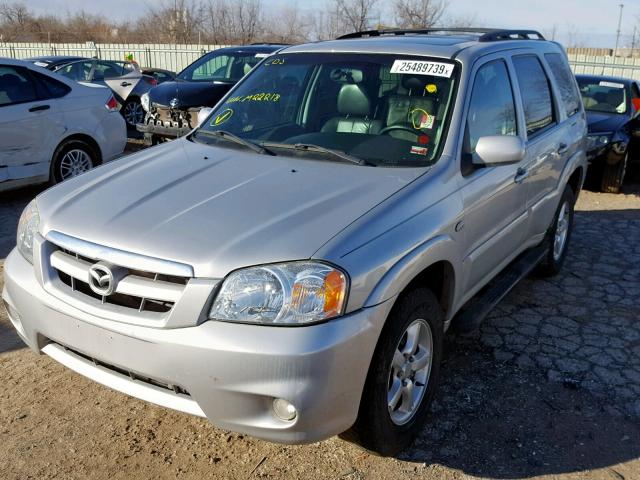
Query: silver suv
(289, 269)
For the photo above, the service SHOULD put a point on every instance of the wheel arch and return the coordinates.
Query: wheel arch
(429, 265)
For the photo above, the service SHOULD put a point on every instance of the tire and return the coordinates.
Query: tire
(558, 236)
(133, 112)
(384, 430)
(613, 176)
(72, 158)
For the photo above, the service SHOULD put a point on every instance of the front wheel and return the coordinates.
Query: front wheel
(403, 375)
(613, 176)
(558, 236)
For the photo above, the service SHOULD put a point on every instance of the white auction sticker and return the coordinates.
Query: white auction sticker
(611, 84)
(420, 67)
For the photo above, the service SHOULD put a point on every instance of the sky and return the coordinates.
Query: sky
(588, 23)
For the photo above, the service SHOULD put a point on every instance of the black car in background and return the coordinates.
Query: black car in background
(612, 105)
(160, 74)
(172, 107)
(51, 62)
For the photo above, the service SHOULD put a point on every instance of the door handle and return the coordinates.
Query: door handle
(39, 108)
(125, 84)
(563, 148)
(521, 174)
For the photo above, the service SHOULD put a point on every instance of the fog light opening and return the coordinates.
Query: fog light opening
(284, 410)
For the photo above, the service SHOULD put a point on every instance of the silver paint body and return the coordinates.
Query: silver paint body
(29, 139)
(182, 207)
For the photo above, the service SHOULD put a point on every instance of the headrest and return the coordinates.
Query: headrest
(353, 101)
(413, 83)
(9, 80)
(346, 75)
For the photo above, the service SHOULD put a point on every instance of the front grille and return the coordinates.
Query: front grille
(137, 290)
(133, 376)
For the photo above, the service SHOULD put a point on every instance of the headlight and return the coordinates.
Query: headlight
(27, 228)
(598, 140)
(145, 102)
(288, 293)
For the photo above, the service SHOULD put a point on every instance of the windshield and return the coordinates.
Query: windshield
(603, 96)
(221, 67)
(386, 110)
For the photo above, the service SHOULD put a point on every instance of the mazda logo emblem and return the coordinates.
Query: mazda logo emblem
(101, 279)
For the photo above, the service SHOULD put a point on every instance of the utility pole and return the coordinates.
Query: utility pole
(633, 42)
(615, 51)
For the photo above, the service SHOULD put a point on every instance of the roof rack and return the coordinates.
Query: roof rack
(486, 34)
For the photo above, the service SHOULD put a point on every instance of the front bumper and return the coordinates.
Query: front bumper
(232, 372)
(163, 130)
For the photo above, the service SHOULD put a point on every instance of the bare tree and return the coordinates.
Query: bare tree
(354, 15)
(419, 13)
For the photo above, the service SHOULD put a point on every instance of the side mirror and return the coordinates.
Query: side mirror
(203, 114)
(497, 150)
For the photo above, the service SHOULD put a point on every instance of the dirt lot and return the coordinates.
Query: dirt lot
(550, 387)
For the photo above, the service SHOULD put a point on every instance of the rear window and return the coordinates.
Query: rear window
(566, 82)
(535, 92)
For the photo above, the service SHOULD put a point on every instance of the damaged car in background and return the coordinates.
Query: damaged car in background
(124, 78)
(53, 128)
(172, 108)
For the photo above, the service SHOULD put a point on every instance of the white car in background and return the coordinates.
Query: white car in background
(52, 128)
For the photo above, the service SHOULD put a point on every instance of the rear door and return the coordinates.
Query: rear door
(553, 136)
(22, 120)
(495, 218)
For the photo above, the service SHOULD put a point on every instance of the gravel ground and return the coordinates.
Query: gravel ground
(549, 387)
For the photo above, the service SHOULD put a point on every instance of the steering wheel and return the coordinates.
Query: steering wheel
(393, 128)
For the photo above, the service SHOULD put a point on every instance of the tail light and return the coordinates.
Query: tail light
(151, 81)
(112, 104)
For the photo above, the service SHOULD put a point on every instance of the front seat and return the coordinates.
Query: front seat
(416, 108)
(354, 108)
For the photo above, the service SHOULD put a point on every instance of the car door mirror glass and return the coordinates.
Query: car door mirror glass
(496, 150)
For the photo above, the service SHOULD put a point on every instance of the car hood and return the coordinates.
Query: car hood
(605, 122)
(189, 94)
(216, 209)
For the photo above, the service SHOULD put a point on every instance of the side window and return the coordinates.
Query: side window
(49, 87)
(566, 82)
(70, 71)
(535, 92)
(15, 86)
(492, 108)
(105, 70)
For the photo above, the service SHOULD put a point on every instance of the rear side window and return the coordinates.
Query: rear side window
(15, 86)
(566, 82)
(535, 92)
(492, 110)
(49, 87)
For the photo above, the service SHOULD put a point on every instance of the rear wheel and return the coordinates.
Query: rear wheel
(403, 375)
(133, 112)
(613, 176)
(71, 159)
(558, 236)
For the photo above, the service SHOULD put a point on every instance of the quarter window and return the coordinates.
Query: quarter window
(566, 82)
(492, 109)
(535, 92)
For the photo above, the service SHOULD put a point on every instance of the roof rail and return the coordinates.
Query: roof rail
(486, 34)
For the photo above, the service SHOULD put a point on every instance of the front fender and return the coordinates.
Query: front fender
(398, 277)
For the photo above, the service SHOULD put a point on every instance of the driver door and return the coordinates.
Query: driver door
(495, 215)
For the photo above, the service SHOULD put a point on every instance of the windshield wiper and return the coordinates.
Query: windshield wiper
(308, 147)
(223, 134)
